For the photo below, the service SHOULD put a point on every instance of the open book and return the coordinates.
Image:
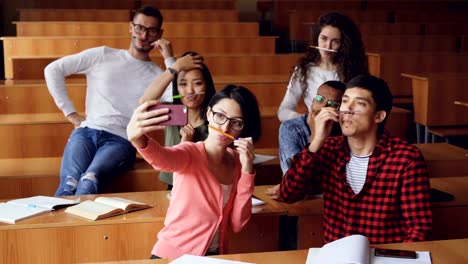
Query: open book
(191, 259)
(355, 250)
(104, 207)
(16, 210)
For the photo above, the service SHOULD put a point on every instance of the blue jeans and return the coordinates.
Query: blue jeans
(91, 158)
(294, 135)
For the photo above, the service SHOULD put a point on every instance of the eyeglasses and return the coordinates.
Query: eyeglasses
(152, 32)
(234, 124)
(330, 103)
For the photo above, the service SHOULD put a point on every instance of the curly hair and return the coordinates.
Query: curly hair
(350, 57)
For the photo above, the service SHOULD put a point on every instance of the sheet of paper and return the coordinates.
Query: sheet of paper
(43, 201)
(256, 202)
(10, 213)
(262, 158)
(191, 259)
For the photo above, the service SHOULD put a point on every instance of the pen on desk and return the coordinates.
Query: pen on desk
(187, 95)
(325, 49)
(221, 132)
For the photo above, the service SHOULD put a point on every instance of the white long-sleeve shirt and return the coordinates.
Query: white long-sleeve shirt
(294, 91)
(115, 82)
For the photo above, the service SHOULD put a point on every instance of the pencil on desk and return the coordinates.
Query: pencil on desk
(221, 132)
(325, 49)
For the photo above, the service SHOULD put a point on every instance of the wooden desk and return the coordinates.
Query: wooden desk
(57, 237)
(444, 160)
(392, 64)
(433, 97)
(442, 252)
(309, 212)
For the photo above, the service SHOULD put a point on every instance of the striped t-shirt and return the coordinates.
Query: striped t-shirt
(356, 172)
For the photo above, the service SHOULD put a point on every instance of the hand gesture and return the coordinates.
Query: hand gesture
(323, 123)
(164, 47)
(273, 192)
(187, 62)
(75, 119)
(246, 153)
(186, 133)
(143, 122)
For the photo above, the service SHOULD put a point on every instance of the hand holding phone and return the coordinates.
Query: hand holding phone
(395, 253)
(178, 114)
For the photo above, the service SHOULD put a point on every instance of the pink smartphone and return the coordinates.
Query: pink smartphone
(178, 114)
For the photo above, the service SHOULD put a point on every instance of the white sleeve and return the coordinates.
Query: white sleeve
(169, 61)
(287, 108)
(56, 72)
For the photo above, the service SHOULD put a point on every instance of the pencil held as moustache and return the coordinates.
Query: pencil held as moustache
(348, 112)
(221, 132)
(320, 48)
(187, 95)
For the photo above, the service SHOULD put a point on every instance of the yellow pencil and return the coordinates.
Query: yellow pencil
(221, 132)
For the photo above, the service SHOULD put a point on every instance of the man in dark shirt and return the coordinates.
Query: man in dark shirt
(373, 184)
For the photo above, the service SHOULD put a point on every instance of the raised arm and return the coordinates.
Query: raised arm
(159, 85)
(287, 108)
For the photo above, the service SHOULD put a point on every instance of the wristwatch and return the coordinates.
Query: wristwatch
(172, 71)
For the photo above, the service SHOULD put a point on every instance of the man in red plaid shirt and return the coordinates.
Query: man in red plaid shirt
(372, 184)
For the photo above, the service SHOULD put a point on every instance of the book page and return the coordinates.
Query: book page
(10, 213)
(191, 259)
(92, 210)
(350, 250)
(124, 204)
(43, 202)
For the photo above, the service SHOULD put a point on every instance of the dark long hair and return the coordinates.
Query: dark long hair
(350, 57)
(210, 86)
(249, 107)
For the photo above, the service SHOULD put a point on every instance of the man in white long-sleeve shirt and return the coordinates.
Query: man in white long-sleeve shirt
(98, 147)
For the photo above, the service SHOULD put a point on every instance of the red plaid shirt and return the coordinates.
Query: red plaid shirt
(393, 205)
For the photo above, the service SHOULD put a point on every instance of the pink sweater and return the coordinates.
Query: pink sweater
(196, 208)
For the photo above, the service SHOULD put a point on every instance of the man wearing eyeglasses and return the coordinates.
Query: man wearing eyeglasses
(294, 134)
(373, 184)
(98, 148)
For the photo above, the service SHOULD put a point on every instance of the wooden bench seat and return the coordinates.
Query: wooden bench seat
(32, 66)
(124, 15)
(45, 134)
(35, 98)
(40, 176)
(23, 177)
(171, 29)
